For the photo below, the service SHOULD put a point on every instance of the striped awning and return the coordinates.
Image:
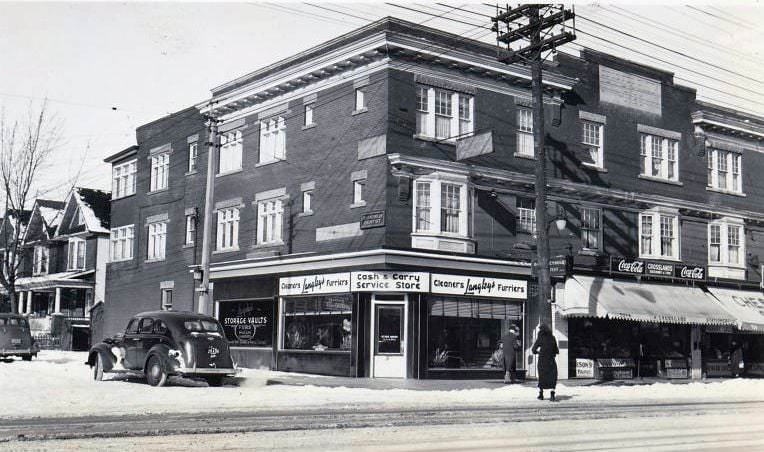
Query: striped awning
(588, 296)
(746, 306)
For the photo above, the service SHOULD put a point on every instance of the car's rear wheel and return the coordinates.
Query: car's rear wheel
(155, 373)
(27, 357)
(98, 368)
(215, 380)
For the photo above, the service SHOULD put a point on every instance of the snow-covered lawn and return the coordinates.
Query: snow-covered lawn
(59, 384)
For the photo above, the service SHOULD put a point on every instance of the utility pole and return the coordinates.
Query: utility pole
(538, 29)
(205, 303)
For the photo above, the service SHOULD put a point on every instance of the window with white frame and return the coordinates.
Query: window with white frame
(591, 228)
(228, 229)
(231, 145)
(269, 221)
(157, 240)
(166, 299)
(592, 139)
(724, 170)
(76, 250)
(358, 186)
(659, 157)
(659, 235)
(525, 132)
(193, 154)
(526, 215)
(726, 244)
(190, 235)
(123, 179)
(272, 140)
(122, 243)
(40, 261)
(360, 99)
(452, 196)
(308, 115)
(307, 201)
(443, 114)
(160, 171)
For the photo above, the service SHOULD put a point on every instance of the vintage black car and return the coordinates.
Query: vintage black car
(16, 337)
(161, 344)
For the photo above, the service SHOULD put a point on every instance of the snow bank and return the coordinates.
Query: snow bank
(59, 384)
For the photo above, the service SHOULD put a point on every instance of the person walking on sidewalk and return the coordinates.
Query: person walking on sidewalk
(511, 345)
(546, 348)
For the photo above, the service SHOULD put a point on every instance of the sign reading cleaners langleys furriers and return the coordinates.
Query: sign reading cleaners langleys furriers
(478, 286)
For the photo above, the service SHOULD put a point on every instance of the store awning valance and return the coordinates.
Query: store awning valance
(746, 306)
(587, 296)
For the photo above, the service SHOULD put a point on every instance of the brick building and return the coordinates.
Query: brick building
(374, 212)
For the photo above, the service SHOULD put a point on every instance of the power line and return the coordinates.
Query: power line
(739, 24)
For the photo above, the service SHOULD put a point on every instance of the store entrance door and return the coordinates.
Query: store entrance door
(388, 352)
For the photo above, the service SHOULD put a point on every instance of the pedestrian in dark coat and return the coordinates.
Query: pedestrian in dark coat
(546, 348)
(511, 345)
(736, 359)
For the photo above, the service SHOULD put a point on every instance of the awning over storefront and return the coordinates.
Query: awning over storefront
(746, 306)
(587, 296)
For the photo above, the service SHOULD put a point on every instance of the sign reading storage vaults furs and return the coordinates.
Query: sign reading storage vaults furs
(478, 286)
(314, 284)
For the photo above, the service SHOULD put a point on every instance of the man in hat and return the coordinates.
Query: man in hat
(511, 346)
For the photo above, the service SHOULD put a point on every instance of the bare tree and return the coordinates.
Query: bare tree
(25, 148)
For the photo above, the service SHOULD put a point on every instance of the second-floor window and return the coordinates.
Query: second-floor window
(360, 99)
(157, 241)
(525, 132)
(190, 235)
(269, 221)
(659, 235)
(526, 215)
(308, 121)
(123, 179)
(272, 140)
(122, 243)
(592, 141)
(724, 170)
(160, 171)
(591, 228)
(307, 201)
(193, 154)
(659, 157)
(76, 250)
(443, 114)
(40, 260)
(228, 229)
(230, 152)
(358, 186)
(725, 244)
(442, 207)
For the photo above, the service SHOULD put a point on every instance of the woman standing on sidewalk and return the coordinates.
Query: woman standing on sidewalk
(546, 348)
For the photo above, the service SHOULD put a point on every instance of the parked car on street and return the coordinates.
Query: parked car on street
(161, 344)
(16, 337)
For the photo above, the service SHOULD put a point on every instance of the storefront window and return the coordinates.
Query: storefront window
(247, 323)
(465, 333)
(601, 338)
(318, 323)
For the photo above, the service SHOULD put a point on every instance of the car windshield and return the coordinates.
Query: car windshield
(12, 321)
(201, 326)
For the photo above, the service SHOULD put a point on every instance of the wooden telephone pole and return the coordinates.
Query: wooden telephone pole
(537, 29)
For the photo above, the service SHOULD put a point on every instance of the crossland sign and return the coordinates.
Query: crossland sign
(639, 267)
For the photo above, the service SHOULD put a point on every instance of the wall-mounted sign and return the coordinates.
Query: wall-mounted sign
(693, 272)
(247, 323)
(659, 269)
(628, 266)
(389, 281)
(478, 286)
(584, 368)
(374, 219)
(314, 284)
(560, 266)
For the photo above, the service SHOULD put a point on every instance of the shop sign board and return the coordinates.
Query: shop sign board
(628, 266)
(584, 368)
(662, 269)
(314, 284)
(389, 281)
(479, 286)
(374, 219)
(693, 272)
(559, 266)
(247, 323)
(659, 269)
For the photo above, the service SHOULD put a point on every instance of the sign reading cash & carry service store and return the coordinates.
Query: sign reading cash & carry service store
(314, 284)
(389, 281)
(478, 286)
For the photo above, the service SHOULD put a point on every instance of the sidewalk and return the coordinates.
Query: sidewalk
(453, 385)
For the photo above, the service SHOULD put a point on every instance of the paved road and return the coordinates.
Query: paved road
(726, 424)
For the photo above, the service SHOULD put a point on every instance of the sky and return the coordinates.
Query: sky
(107, 68)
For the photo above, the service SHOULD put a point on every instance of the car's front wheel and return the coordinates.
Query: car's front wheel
(98, 368)
(155, 373)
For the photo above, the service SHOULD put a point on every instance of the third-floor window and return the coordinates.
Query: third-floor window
(160, 171)
(659, 157)
(591, 138)
(525, 132)
(443, 114)
(230, 152)
(272, 140)
(724, 169)
(123, 179)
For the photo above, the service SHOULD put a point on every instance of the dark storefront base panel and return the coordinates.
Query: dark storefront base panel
(336, 364)
(252, 358)
(487, 374)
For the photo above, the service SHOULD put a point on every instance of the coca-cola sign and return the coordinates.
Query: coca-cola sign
(693, 272)
(630, 266)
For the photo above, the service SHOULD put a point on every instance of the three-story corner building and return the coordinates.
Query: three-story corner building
(374, 213)
(63, 264)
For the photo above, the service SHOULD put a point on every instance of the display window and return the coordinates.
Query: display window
(466, 333)
(321, 323)
(247, 323)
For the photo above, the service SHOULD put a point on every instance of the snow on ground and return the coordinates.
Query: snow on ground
(60, 384)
